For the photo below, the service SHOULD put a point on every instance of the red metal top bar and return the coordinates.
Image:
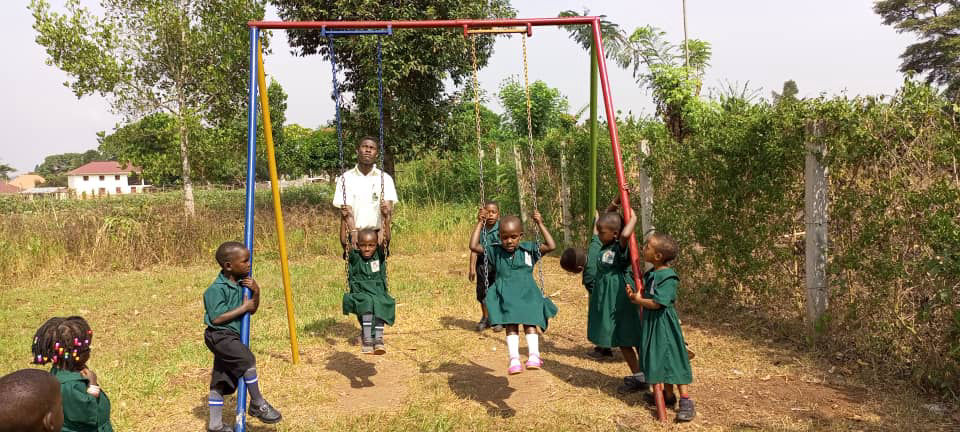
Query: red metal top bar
(423, 24)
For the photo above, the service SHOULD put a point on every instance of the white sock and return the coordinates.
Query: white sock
(513, 346)
(533, 345)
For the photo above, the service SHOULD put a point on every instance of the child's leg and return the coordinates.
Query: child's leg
(253, 386)
(684, 390)
(630, 356)
(366, 323)
(533, 341)
(215, 401)
(378, 329)
(486, 313)
(513, 341)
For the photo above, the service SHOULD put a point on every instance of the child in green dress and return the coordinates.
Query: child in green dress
(612, 319)
(663, 352)
(480, 265)
(515, 299)
(65, 343)
(368, 298)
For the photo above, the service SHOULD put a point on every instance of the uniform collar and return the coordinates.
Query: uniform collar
(64, 376)
(373, 171)
(223, 279)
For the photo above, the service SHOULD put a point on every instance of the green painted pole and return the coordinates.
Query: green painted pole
(594, 139)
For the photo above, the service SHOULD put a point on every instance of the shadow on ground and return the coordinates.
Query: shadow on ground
(332, 330)
(475, 382)
(355, 369)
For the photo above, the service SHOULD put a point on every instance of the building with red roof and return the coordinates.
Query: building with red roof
(100, 178)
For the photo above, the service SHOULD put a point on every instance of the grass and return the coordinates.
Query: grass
(439, 375)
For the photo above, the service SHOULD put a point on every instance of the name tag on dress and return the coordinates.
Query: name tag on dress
(374, 266)
(527, 260)
(607, 257)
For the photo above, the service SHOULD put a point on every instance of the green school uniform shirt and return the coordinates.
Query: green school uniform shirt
(515, 297)
(663, 352)
(590, 267)
(82, 412)
(491, 236)
(368, 287)
(612, 319)
(221, 297)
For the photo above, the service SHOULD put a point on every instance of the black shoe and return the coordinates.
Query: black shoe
(686, 411)
(497, 328)
(601, 353)
(222, 428)
(668, 400)
(631, 384)
(265, 413)
(482, 324)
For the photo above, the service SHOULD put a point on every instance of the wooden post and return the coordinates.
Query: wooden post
(564, 195)
(815, 207)
(646, 191)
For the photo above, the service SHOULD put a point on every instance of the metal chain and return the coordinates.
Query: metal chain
(533, 166)
(386, 246)
(343, 172)
(476, 111)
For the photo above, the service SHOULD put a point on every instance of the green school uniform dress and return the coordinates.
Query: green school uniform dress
(515, 297)
(612, 319)
(82, 412)
(663, 352)
(368, 287)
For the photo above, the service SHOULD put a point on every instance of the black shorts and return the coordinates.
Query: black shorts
(491, 275)
(231, 359)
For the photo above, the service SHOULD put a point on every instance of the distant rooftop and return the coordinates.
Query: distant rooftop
(103, 167)
(7, 188)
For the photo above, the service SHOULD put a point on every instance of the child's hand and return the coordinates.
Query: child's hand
(249, 305)
(482, 215)
(385, 208)
(472, 275)
(89, 375)
(632, 295)
(249, 282)
(537, 217)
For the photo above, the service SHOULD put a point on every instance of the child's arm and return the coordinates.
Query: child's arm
(235, 313)
(477, 232)
(548, 244)
(251, 283)
(637, 298)
(596, 217)
(628, 228)
(472, 271)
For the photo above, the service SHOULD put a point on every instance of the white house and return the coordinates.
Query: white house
(101, 178)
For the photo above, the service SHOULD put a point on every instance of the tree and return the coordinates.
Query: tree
(5, 171)
(416, 64)
(615, 43)
(151, 144)
(937, 23)
(55, 167)
(187, 58)
(788, 94)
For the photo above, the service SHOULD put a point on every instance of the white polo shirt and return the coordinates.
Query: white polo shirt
(363, 195)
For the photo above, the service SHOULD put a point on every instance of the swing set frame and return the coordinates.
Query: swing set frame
(257, 85)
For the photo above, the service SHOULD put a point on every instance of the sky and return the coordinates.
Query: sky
(827, 46)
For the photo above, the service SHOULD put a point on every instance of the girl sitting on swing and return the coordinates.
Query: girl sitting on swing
(515, 299)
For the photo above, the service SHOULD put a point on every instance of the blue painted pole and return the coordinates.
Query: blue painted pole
(240, 423)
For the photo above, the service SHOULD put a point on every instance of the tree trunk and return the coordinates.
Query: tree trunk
(564, 195)
(188, 206)
(519, 164)
(646, 192)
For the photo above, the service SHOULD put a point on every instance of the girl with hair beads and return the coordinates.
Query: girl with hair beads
(65, 343)
(515, 299)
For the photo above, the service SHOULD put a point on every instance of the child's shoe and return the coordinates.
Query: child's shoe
(601, 353)
(366, 346)
(497, 328)
(631, 384)
(515, 366)
(265, 413)
(379, 348)
(686, 411)
(483, 324)
(534, 362)
(222, 428)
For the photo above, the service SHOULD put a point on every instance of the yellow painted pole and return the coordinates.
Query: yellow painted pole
(277, 211)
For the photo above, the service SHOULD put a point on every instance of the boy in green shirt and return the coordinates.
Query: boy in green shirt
(480, 265)
(225, 304)
(663, 351)
(65, 342)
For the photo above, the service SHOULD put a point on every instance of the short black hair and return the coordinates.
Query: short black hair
(491, 202)
(62, 341)
(226, 250)
(368, 138)
(610, 220)
(29, 395)
(366, 232)
(573, 260)
(666, 246)
(506, 221)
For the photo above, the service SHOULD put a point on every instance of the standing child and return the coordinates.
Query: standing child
(368, 298)
(480, 265)
(65, 343)
(612, 320)
(225, 304)
(515, 299)
(663, 351)
(31, 402)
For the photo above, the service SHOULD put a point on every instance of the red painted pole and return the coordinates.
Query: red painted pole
(422, 24)
(622, 184)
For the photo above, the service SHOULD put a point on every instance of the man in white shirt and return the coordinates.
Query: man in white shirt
(368, 200)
